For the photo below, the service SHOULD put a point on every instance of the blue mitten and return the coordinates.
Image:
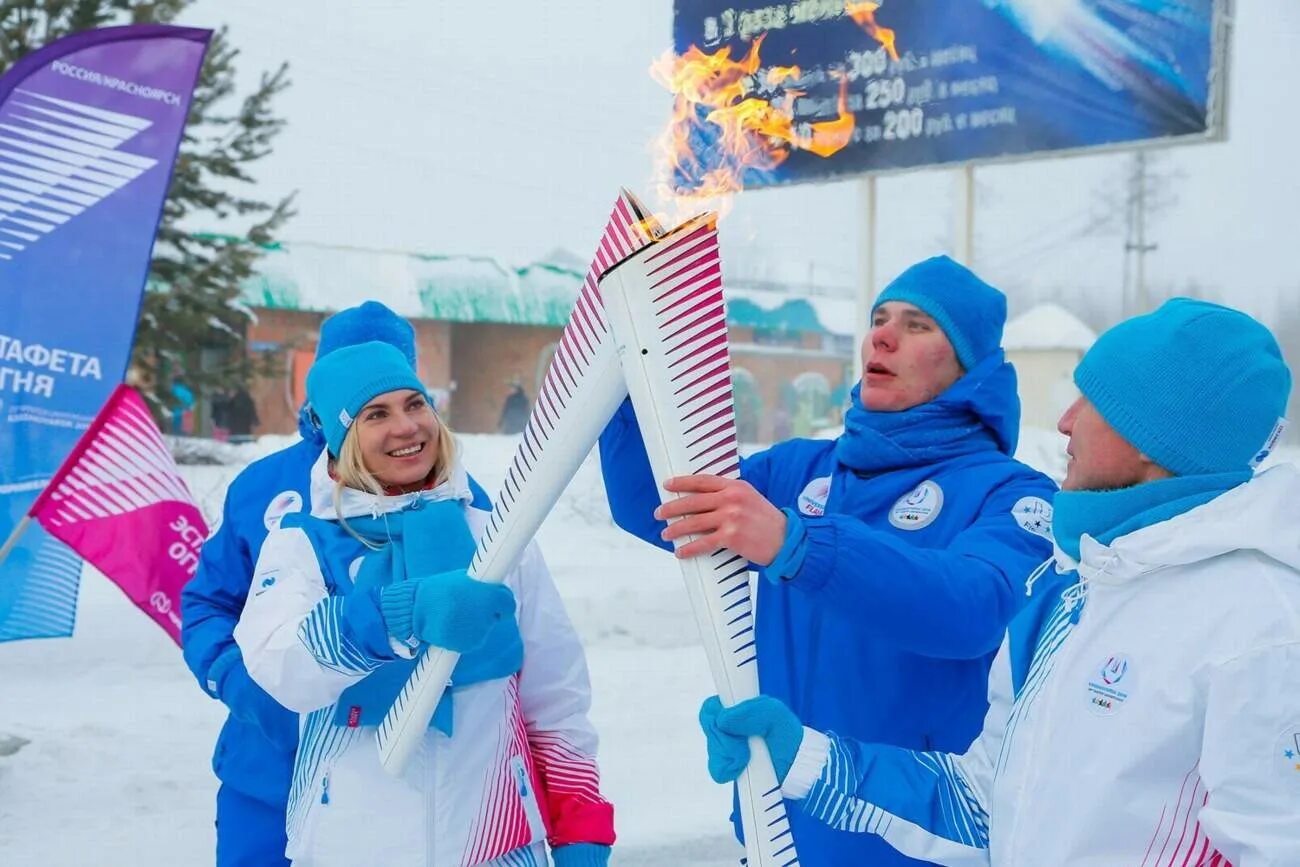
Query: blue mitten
(728, 755)
(449, 610)
(764, 717)
(581, 855)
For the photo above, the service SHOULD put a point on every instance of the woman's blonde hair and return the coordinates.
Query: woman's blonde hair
(350, 470)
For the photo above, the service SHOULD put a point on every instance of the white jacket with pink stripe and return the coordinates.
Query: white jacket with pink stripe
(519, 770)
(1144, 711)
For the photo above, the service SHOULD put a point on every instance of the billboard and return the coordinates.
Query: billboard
(903, 84)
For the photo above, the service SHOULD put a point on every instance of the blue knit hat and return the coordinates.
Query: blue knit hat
(1196, 387)
(368, 321)
(346, 379)
(970, 311)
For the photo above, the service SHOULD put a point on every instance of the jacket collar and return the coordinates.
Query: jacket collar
(1256, 516)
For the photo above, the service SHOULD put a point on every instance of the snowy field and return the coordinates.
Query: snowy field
(115, 771)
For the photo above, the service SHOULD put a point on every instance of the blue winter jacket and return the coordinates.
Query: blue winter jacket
(888, 628)
(255, 750)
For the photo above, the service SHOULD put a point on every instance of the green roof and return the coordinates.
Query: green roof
(324, 278)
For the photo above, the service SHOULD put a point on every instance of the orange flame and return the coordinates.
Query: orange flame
(830, 136)
(778, 74)
(864, 14)
(720, 129)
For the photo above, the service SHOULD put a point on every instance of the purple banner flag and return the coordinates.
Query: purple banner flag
(89, 130)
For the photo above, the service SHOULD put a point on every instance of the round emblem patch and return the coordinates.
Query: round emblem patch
(1034, 515)
(812, 501)
(1286, 754)
(1110, 684)
(281, 504)
(917, 508)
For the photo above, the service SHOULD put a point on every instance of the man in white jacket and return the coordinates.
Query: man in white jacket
(1145, 706)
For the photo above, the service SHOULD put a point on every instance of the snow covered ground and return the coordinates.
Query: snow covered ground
(117, 773)
(116, 768)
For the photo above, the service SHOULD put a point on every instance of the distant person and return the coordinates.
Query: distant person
(781, 428)
(241, 415)
(346, 597)
(515, 411)
(1143, 707)
(183, 412)
(892, 558)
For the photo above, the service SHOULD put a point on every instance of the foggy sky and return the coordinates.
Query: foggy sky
(506, 128)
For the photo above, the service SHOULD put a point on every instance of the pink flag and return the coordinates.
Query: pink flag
(119, 502)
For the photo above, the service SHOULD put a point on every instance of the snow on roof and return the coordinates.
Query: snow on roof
(316, 277)
(1047, 326)
(789, 311)
(323, 278)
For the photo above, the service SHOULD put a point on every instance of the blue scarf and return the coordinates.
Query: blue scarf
(424, 539)
(979, 412)
(1108, 515)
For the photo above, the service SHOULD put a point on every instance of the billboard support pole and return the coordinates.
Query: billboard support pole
(866, 262)
(964, 217)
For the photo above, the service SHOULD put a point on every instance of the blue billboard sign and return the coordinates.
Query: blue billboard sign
(933, 82)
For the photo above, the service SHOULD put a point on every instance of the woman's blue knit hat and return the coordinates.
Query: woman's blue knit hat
(368, 321)
(970, 311)
(342, 382)
(1196, 387)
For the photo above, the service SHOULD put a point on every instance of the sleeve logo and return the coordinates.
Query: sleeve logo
(1034, 515)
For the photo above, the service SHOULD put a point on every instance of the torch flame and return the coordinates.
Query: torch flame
(720, 129)
(830, 136)
(778, 74)
(864, 14)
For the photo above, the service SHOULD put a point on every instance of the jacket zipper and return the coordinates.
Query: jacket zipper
(1047, 700)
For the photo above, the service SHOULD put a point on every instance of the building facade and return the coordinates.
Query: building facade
(483, 328)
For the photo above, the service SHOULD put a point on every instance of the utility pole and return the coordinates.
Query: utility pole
(1135, 241)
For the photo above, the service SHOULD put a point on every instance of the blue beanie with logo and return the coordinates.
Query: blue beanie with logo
(368, 321)
(1197, 387)
(970, 311)
(341, 383)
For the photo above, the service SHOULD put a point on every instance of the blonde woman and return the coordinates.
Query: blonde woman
(345, 595)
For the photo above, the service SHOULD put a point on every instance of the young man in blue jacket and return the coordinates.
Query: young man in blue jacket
(255, 750)
(892, 558)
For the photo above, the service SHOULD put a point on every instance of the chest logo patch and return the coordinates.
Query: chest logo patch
(812, 501)
(918, 508)
(281, 504)
(1286, 754)
(1110, 684)
(1034, 515)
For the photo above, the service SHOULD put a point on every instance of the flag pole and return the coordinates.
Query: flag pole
(17, 533)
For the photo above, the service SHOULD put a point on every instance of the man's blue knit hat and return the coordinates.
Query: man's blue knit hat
(970, 311)
(1196, 387)
(341, 383)
(368, 321)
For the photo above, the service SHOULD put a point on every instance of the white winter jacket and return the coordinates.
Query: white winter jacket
(472, 798)
(1148, 714)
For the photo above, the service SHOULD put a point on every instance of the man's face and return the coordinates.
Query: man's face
(906, 359)
(1101, 459)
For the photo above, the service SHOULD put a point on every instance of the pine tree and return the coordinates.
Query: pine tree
(192, 325)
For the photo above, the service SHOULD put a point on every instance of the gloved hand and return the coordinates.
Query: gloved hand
(581, 855)
(449, 610)
(249, 703)
(727, 729)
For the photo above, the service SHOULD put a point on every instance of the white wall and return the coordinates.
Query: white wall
(1046, 384)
